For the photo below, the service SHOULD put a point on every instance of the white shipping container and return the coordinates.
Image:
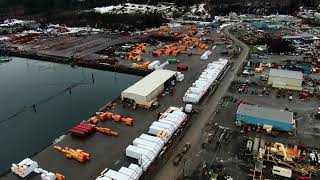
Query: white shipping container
(156, 130)
(153, 64)
(137, 153)
(116, 175)
(155, 139)
(176, 120)
(137, 169)
(192, 98)
(155, 147)
(168, 122)
(129, 172)
(145, 163)
(195, 89)
(163, 125)
(147, 143)
(194, 92)
(181, 114)
(150, 149)
(48, 176)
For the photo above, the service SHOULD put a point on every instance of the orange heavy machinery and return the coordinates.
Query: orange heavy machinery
(78, 154)
(106, 131)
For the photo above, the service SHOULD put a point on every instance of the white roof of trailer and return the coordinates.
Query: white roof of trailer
(148, 84)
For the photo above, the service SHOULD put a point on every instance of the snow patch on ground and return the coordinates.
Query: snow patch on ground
(133, 8)
(12, 22)
(198, 11)
(195, 11)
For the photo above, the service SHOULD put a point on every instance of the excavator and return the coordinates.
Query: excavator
(78, 154)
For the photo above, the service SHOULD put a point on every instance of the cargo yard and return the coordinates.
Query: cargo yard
(103, 141)
(239, 101)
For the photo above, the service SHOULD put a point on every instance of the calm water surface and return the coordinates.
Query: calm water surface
(24, 82)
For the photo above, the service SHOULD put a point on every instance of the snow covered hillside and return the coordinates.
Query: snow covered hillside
(169, 11)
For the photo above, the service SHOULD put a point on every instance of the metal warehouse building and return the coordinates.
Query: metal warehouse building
(250, 114)
(285, 79)
(145, 91)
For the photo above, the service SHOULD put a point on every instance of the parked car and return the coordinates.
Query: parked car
(177, 159)
(186, 147)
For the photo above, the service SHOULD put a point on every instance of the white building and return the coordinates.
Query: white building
(285, 79)
(146, 91)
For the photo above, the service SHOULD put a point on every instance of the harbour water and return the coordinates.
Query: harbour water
(41, 100)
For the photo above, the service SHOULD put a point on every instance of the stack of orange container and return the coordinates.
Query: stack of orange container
(137, 52)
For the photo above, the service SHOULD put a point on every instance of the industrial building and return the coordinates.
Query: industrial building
(285, 79)
(263, 116)
(146, 91)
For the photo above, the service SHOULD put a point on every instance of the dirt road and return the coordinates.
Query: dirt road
(193, 135)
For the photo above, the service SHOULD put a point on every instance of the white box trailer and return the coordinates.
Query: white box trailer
(136, 168)
(147, 143)
(182, 114)
(150, 149)
(195, 89)
(116, 175)
(196, 92)
(137, 153)
(176, 118)
(154, 139)
(154, 148)
(174, 115)
(143, 156)
(163, 125)
(168, 122)
(129, 172)
(145, 163)
(156, 130)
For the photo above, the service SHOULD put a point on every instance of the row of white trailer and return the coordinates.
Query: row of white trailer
(147, 147)
(132, 172)
(206, 80)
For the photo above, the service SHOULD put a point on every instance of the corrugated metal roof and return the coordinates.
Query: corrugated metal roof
(265, 113)
(148, 84)
(286, 74)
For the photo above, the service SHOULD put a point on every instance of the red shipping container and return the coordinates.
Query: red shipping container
(182, 67)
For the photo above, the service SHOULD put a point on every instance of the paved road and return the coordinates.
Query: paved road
(193, 134)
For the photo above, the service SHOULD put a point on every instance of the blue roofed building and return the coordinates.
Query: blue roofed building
(260, 116)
